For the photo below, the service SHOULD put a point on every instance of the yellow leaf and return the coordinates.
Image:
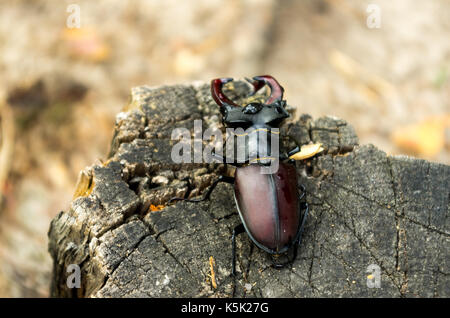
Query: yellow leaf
(85, 43)
(426, 138)
(307, 151)
(154, 208)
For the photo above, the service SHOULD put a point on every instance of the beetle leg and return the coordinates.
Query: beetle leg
(215, 183)
(208, 193)
(294, 151)
(222, 159)
(236, 231)
(285, 156)
(278, 265)
(303, 189)
(305, 207)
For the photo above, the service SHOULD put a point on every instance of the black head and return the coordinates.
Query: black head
(270, 113)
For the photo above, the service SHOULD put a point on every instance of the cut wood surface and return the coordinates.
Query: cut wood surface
(368, 211)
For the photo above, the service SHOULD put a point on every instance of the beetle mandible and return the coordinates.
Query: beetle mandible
(271, 211)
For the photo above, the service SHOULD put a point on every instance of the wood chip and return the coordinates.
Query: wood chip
(307, 151)
(212, 262)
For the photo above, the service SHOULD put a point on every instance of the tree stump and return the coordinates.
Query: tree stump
(378, 224)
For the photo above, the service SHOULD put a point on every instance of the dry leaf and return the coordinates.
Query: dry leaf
(426, 138)
(307, 151)
(154, 208)
(85, 43)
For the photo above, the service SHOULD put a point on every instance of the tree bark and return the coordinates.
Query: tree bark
(368, 211)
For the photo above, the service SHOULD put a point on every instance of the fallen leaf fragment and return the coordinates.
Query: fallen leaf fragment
(85, 43)
(307, 151)
(426, 138)
(154, 208)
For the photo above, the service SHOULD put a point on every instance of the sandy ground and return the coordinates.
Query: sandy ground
(60, 88)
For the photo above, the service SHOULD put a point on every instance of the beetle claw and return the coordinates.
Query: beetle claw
(276, 264)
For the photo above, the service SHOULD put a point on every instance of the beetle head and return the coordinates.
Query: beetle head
(269, 113)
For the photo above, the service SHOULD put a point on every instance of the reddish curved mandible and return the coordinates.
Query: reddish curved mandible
(216, 91)
(277, 90)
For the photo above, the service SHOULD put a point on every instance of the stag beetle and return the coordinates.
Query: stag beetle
(272, 212)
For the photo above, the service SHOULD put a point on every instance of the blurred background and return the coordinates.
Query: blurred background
(67, 67)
